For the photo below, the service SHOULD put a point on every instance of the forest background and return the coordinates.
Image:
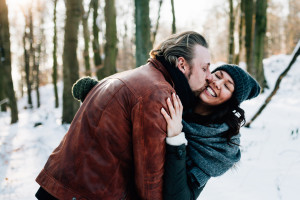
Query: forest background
(47, 41)
(46, 45)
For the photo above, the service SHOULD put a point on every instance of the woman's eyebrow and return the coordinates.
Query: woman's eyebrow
(222, 74)
(227, 79)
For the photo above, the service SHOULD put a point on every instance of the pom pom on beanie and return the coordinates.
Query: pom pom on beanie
(82, 87)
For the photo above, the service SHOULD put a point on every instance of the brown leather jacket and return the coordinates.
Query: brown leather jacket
(115, 146)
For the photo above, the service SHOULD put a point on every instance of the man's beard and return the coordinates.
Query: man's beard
(199, 91)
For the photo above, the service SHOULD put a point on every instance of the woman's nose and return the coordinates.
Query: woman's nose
(217, 83)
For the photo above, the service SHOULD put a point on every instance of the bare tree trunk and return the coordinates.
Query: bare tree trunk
(231, 33)
(54, 74)
(157, 22)
(259, 38)
(293, 28)
(31, 41)
(86, 36)
(142, 31)
(3, 98)
(23, 80)
(38, 59)
(27, 68)
(37, 72)
(241, 30)
(173, 18)
(96, 45)
(111, 51)
(70, 62)
(5, 61)
(40, 38)
(249, 5)
(277, 84)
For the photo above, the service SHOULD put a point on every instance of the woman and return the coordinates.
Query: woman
(211, 130)
(211, 145)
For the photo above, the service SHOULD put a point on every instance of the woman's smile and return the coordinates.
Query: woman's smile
(210, 91)
(219, 90)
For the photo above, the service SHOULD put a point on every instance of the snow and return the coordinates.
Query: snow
(24, 149)
(270, 163)
(268, 170)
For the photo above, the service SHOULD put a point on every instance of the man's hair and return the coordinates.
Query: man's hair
(179, 45)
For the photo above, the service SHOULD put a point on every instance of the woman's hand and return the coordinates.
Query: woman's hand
(174, 122)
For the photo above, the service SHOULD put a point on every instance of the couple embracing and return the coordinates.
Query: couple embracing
(159, 131)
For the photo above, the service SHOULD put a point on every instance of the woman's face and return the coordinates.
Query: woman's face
(219, 90)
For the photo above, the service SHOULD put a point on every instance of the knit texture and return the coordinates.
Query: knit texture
(82, 87)
(245, 86)
(209, 154)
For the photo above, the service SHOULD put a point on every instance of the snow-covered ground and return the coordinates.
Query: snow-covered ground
(270, 164)
(269, 168)
(24, 148)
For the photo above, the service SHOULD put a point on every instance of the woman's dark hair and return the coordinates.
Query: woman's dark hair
(230, 113)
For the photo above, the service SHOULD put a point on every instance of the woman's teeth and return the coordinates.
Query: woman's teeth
(211, 92)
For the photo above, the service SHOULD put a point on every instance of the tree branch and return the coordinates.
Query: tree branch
(277, 84)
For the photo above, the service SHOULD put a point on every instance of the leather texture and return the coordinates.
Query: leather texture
(115, 146)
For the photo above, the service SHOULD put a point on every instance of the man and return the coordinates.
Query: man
(115, 146)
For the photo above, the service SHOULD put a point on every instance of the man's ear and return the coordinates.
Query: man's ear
(181, 64)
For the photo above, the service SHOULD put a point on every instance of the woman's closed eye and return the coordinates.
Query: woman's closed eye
(226, 86)
(218, 77)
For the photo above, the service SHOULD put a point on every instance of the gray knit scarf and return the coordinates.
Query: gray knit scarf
(209, 154)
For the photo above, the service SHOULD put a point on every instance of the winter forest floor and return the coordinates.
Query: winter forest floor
(269, 168)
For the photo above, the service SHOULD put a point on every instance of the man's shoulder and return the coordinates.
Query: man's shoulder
(145, 80)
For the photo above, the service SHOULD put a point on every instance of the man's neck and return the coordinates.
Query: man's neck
(182, 86)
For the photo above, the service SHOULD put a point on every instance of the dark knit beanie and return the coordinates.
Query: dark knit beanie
(245, 86)
(82, 87)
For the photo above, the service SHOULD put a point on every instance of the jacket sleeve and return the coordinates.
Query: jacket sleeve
(176, 182)
(148, 137)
